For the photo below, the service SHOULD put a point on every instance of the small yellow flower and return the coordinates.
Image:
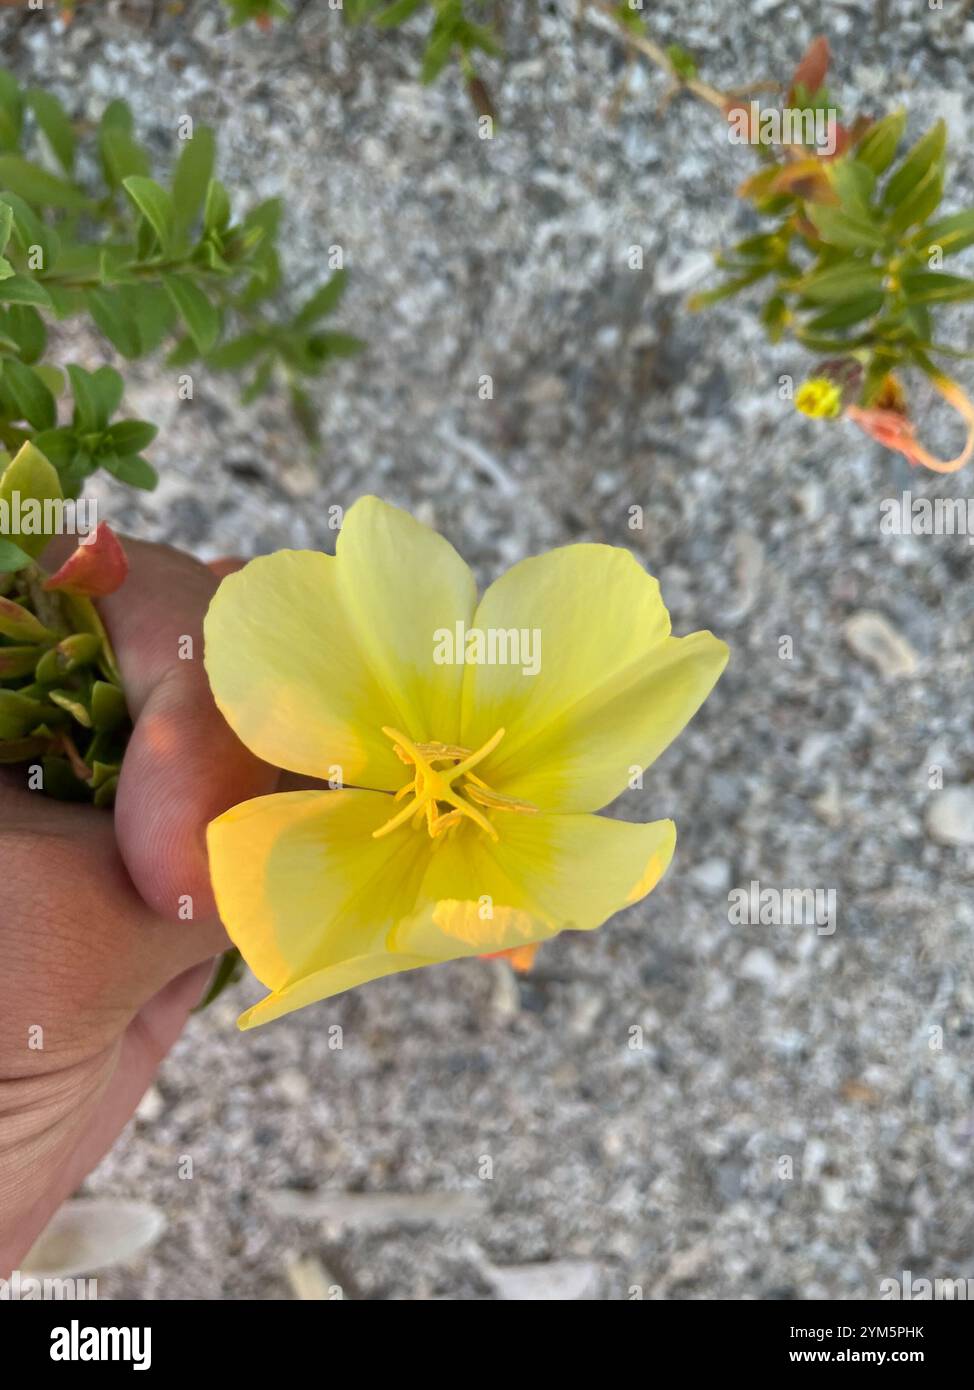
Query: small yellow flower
(819, 398)
(463, 824)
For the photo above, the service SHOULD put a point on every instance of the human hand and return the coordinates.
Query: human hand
(98, 970)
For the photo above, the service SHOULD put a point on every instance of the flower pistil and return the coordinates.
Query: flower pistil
(454, 785)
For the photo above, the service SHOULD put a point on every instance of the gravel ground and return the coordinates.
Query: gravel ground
(794, 1125)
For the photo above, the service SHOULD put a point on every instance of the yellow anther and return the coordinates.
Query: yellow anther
(432, 788)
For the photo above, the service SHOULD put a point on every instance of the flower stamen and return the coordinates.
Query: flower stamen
(432, 788)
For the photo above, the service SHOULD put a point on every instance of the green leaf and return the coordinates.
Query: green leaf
(855, 184)
(439, 48)
(108, 708)
(32, 476)
(18, 624)
(137, 472)
(951, 234)
(17, 662)
(11, 111)
(109, 388)
(839, 283)
(916, 317)
(844, 229)
(925, 154)
(56, 125)
(88, 412)
(12, 558)
(681, 61)
(323, 301)
(58, 446)
(728, 288)
(25, 326)
(764, 249)
(920, 202)
(853, 311)
(398, 13)
(30, 231)
(302, 407)
(120, 155)
(201, 318)
(932, 286)
(191, 179)
(18, 714)
(216, 208)
(228, 971)
(34, 401)
(6, 224)
(324, 345)
(128, 437)
(154, 314)
(52, 377)
(774, 316)
(68, 701)
(111, 311)
(184, 352)
(37, 187)
(238, 352)
(879, 144)
(259, 384)
(21, 289)
(155, 205)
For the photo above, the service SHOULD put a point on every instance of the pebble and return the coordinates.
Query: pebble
(950, 816)
(88, 1234)
(875, 641)
(563, 1280)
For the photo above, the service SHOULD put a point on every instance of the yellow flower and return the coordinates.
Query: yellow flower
(819, 398)
(463, 824)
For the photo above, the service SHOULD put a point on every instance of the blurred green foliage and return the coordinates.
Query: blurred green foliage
(89, 232)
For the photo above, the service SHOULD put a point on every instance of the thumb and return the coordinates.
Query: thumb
(184, 765)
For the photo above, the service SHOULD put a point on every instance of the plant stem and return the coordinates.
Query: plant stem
(643, 44)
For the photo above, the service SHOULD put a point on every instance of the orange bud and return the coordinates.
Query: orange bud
(96, 568)
(813, 68)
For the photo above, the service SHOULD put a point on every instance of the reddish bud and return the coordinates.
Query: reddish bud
(813, 68)
(98, 566)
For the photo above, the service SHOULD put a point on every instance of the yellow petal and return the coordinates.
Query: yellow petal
(289, 677)
(301, 885)
(316, 906)
(545, 874)
(401, 584)
(613, 688)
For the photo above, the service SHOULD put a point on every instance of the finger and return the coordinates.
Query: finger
(226, 564)
(184, 765)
